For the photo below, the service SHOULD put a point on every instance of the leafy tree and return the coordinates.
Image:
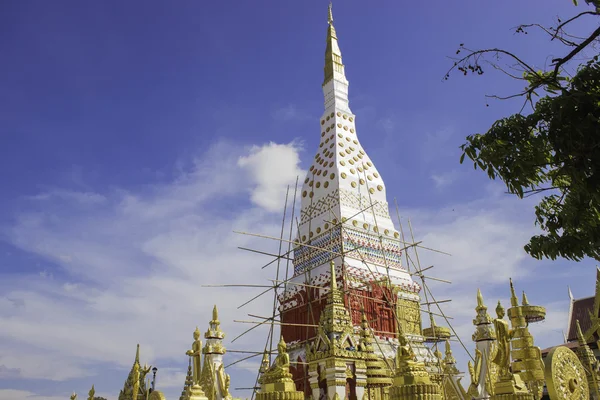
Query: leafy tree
(555, 148)
(99, 398)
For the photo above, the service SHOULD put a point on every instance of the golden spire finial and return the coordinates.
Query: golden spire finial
(333, 277)
(215, 313)
(513, 297)
(137, 354)
(333, 55)
(365, 322)
(525, 301)
(580, 337)
(479, 299)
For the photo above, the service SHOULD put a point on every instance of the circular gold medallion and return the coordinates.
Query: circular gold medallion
(565, 376)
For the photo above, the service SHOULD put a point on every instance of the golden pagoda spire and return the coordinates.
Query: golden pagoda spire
(589, 361)
(214, 335)
(215, 314)
(482, 320)
(513, 297)
(333, 55)
(134, 385)
(449, 359)
(188, 382)
(525, 301)
(479, 299)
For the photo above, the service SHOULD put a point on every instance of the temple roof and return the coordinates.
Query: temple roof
(581, 309)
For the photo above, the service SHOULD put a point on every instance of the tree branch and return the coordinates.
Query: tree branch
(561, 61)
(553, 35)
(476, 54)
(562, 25)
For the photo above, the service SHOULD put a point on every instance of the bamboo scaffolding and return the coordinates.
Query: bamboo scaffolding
(241, 285)
(265, 253)
(274, 323)
(351, 291)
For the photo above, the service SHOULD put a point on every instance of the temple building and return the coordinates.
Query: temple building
(584, 311)
(350, 316)
(587, 311)
(345, 220)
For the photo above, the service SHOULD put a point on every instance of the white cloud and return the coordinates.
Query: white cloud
(290, 113)
(11, 394)
(388, 125)
(271, 168)
(131, 269)
(89, 198)
(444, 179)
(135, 267)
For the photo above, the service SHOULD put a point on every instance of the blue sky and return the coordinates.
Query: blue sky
(136, 136)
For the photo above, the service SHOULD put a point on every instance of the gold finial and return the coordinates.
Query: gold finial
(525, 301)
(479, 299)
(137, 354)
(215, 313)
(580, 337)
(333, 55)
(333, 277)
(513, 297)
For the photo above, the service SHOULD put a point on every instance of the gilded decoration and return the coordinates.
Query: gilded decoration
(411, 379)
(527, 358)
(276, 381)
(156, 395)
(135, 385)
(565, 376)
(589, 362)
(409, 316)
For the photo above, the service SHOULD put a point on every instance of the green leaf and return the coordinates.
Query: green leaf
(556, 147)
